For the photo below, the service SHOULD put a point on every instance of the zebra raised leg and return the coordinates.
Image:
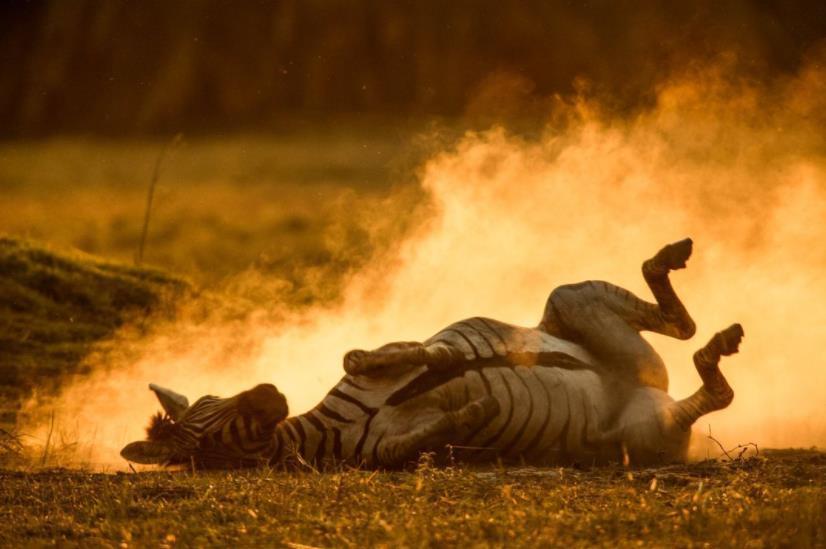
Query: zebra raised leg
(670, 317)
(451, 426)
(607, 319)
(716, 393)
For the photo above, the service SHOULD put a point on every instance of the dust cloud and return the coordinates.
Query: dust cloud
(740, 168)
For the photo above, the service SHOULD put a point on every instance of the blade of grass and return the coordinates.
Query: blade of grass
(150, 195)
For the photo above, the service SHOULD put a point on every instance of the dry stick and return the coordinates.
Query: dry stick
(10, 442)
(151, 194)
(48, 440)
(718, 443)
(742, 447)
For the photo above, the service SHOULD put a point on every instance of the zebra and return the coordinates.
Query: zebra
(582, 387)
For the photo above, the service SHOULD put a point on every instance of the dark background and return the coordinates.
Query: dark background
(149, 66)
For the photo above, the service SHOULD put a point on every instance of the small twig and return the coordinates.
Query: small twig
(742, 447)
(48, 441)
(10, 442)
(718, 443)
(156, 172)
(459, 447)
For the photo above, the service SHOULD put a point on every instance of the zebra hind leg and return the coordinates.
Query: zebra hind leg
(451, 427)
(607, 321)
(674, 319)
(567, 304)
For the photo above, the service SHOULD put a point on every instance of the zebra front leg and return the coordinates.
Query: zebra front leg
(359, 362)
(451, 427)
(673, 318)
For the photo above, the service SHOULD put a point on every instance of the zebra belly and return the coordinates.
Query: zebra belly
(547, 414)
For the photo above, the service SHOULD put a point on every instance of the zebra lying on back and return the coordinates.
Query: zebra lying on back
(583, 386)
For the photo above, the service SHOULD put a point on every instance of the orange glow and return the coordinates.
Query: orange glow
(742, 170)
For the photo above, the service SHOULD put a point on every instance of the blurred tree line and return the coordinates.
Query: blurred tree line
(128, 66)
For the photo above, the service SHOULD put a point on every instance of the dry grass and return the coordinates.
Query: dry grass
(297, 209)
(772, 501)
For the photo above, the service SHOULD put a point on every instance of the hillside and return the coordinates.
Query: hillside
(56, 305)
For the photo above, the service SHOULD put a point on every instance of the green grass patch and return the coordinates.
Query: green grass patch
(54, 306)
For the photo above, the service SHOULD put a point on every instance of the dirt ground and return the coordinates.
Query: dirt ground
(775, 500)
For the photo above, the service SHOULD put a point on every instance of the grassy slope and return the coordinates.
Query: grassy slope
(55, 306)
(778, 499)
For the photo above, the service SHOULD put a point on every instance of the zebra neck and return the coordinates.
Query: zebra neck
(307, 438)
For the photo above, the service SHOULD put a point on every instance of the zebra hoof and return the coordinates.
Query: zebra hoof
(670, 258)
(728, 340)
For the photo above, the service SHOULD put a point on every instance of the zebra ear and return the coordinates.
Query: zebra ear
(148, 452)
(173, 404)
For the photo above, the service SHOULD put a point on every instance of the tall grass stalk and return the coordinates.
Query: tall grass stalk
(45, 456)
(150, 195)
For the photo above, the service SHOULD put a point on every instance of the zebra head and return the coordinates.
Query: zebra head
(214, 432)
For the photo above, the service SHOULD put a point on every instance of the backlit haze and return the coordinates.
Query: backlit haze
(739, 167)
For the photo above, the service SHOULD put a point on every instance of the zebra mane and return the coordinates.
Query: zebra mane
(160, 427)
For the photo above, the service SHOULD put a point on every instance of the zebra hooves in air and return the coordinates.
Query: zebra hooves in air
(673, 314)
(727, 342)
(670, 258)
(723, 343)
